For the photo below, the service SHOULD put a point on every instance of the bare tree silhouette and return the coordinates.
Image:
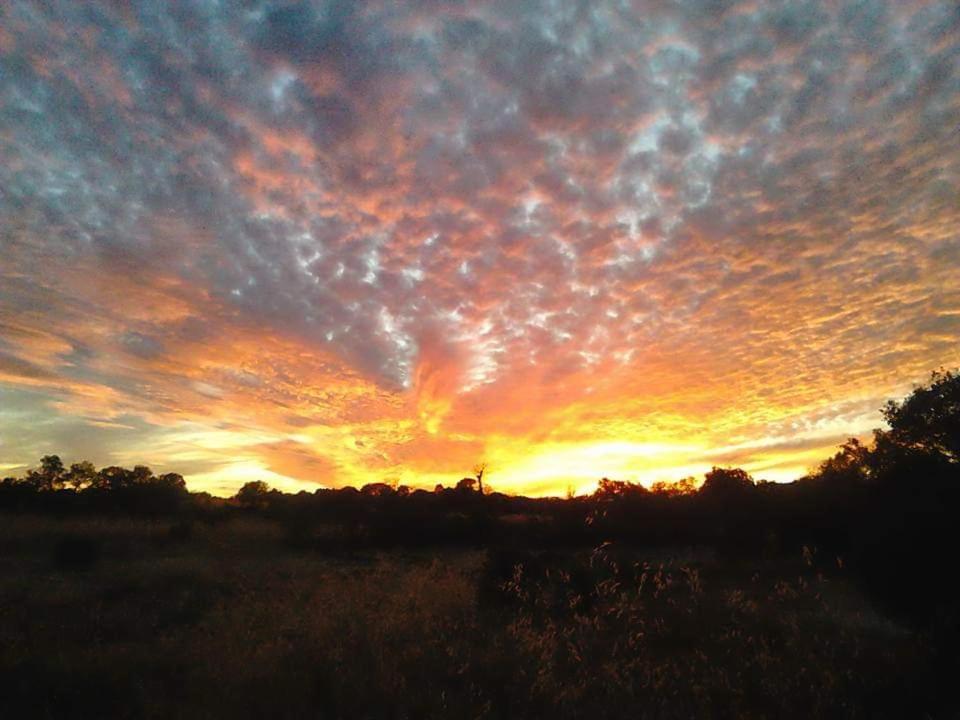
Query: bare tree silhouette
(478, 470)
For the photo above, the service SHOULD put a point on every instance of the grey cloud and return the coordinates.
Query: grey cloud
(292, 160)
(143, 346)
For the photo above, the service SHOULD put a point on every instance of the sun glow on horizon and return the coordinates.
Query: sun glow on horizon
(226, 480)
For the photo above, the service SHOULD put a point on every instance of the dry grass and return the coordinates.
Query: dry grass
(227, 621)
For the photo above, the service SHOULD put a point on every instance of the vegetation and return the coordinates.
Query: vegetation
(124, 595)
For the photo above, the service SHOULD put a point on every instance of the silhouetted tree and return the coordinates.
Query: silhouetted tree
(81, 475)
(174, 481)
(684, 486)
(928, 420)
(161, 493)
(850, 465)
(114, 478)
(253, 494)
(608, 489)
(726, 481)
(141, 475)
(50, 475)
(478, 470)
(378, 489)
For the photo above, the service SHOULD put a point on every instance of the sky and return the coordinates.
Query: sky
(332, 243)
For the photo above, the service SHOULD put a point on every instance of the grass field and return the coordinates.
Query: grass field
(147, 618)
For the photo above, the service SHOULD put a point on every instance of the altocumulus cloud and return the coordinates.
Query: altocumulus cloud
(510, 223)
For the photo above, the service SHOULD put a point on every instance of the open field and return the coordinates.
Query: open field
(156, 618)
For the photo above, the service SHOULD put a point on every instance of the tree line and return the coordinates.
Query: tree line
(887, 507)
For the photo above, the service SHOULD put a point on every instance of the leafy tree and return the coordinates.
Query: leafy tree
(928, 420)
(852, 463)
(81, 475)
(467, 484)
(160, 493)
(684, 486)
(52, 465)
(114, 478)
(141, 475)
(471, 484)
(608, 489)
(253, 494)
(726, 481)
(171, 481)
(377, 489)
(50, 476)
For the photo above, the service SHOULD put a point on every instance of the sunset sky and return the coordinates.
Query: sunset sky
(326, 244)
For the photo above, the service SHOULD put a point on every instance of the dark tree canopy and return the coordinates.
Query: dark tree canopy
(253, 493)
(467, 484)
(82, 475)
(378, 489)
(724, 481)
(50, 475)
(928, 420)
(114, 478)
(851, 464)
(608, 489)
(173, 481)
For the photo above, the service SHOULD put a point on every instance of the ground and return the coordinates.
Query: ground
(170, 618)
